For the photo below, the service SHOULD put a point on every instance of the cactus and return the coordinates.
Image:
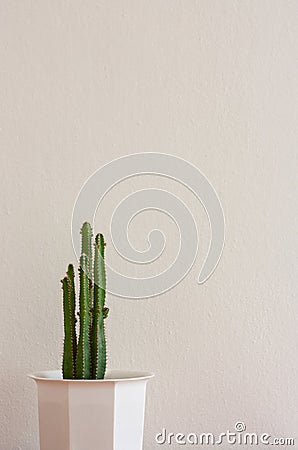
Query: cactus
(86, 232)
(99, 310)
(69, 354)
(72, 306)
(86, 249)
(86, 359)
(83, 362)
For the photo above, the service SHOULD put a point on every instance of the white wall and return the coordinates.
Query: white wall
(212, 81)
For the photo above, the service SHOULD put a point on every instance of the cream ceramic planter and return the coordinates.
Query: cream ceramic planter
(91, 414)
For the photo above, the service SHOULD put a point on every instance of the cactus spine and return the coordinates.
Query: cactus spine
(86, 359)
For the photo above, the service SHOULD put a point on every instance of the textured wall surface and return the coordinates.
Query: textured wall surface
(212, 81)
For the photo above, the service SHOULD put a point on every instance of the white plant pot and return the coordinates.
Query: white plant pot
(91, 414)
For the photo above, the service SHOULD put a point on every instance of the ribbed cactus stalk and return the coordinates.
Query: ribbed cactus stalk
(83, 362)
(86, 249)
(72, 301)
(86, 232)
(86, 359)
(99, 310)
(70, 340)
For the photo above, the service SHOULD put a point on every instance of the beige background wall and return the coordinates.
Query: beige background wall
(214, 82)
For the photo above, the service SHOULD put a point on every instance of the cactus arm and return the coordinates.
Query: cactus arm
(86, 232)
(72, 306)
(99, 312)
(68, 366)
(86, 249)
(83, 353)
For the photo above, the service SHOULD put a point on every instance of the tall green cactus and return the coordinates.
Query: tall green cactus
(86, 359)
(99, 310)
(72, 302)
(86, 249)
(83, 362)
(70, 341)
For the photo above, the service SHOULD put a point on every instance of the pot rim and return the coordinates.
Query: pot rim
(112, 376)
